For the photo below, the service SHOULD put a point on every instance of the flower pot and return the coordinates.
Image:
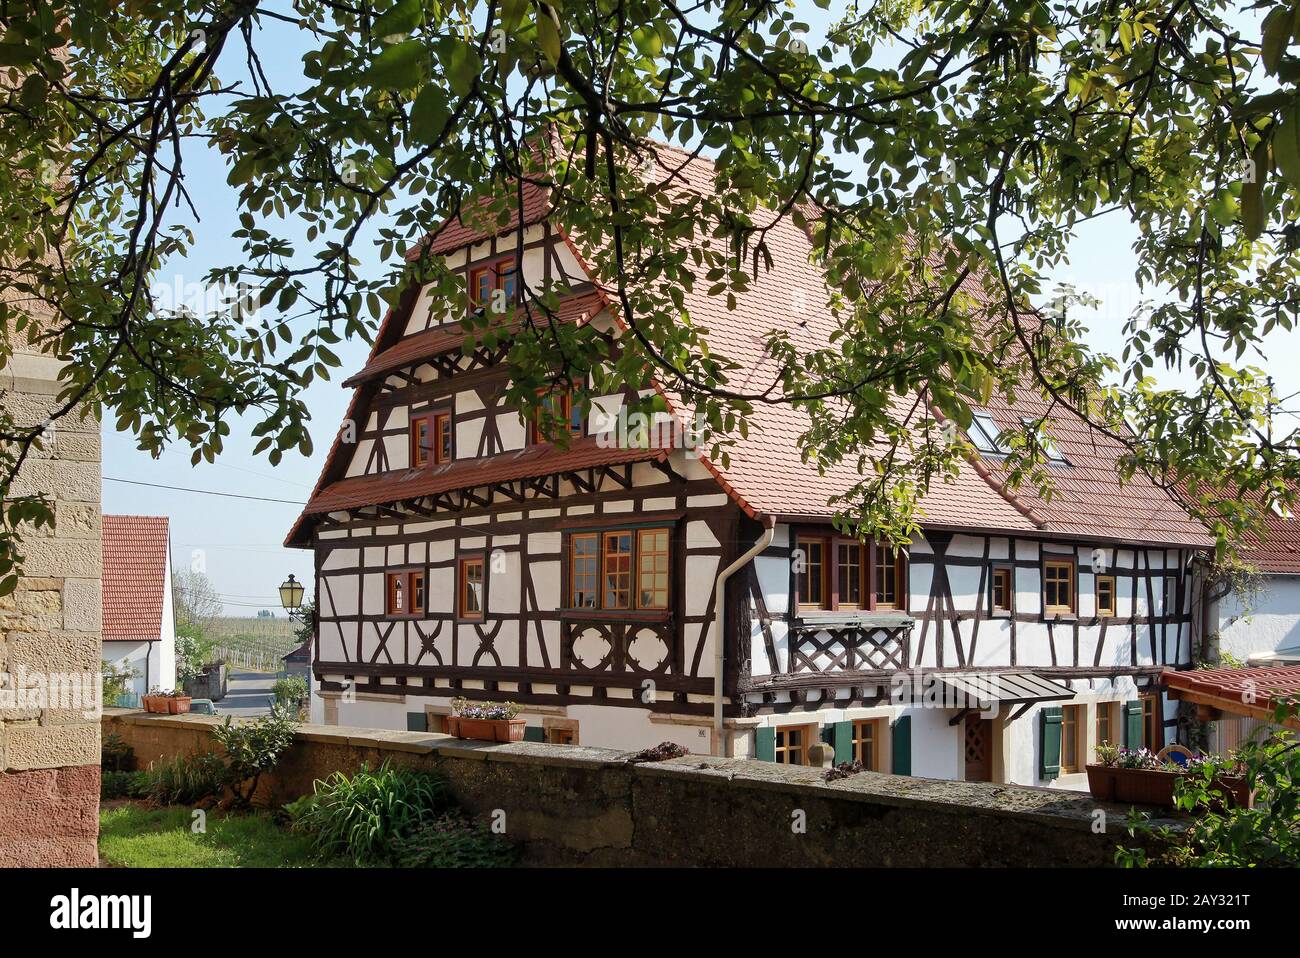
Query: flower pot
(1147, 786)
(486, 730)
(155, 703)
(178, 704)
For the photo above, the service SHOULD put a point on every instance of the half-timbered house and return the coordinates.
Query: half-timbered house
(459, 554)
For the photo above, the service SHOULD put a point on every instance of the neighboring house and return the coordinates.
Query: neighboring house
(458, 554)
(298, 661)
(50, 633)
(139, 623)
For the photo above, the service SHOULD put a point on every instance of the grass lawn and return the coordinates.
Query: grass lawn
(131, 836)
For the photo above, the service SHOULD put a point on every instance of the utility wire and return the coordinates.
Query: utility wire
(205, 492)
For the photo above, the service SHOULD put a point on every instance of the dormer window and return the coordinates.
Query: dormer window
(985, 435)
(494, 286)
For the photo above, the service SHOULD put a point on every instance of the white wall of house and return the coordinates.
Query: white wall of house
(167, 637)
(144, 657)
(1266, 622)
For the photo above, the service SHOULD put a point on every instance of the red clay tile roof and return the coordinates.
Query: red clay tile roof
(135, 576)
(412, 350)
(530, 462)
(1241, 691)
(455, 233)
(766, 473)
(1279, 551)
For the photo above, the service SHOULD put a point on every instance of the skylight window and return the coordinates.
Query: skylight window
(1049, 447)
(985, 435)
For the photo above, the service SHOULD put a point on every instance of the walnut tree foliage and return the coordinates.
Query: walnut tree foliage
(941, 155)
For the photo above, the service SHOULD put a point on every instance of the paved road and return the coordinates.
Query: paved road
(248, 693)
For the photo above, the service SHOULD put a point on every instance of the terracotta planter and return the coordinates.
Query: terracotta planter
(1144, 786)
(178, 705)
(155, 703)
(486, 730)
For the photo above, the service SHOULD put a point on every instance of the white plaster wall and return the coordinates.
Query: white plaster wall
(166, 646)
(1271, 622)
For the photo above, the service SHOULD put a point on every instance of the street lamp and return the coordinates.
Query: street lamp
(291, 595)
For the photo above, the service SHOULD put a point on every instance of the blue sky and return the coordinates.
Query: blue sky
(237, 541)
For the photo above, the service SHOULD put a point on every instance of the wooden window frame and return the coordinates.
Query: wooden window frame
(831, 600)
(637, 569)
(535, 437)
(462, 587)
(1106, 710)
(438, 422)
(878, 727)
(863, 583)
(407, 577)
(491, 268)
(1110, 610)
(605, 555)
(1073, 566)
(809, 738)
(1153, 721)
(637, 533)
(1009, 573)
(1074, 723)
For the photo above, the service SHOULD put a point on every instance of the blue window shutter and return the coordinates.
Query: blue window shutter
(534, 733)
(765, 744)
(901, 745)
(1133, 723)
(1049, 752)
(416, 722)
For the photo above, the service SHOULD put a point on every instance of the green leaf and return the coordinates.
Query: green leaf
(429, 115)
(399, 67)
(1286, 146)
(16, 55)
(404, 17)
(548, 34)
(462, 66)
(1277, 34)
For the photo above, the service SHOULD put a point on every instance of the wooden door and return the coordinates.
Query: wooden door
(979, 749)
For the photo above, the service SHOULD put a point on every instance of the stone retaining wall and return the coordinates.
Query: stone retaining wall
(578, 805)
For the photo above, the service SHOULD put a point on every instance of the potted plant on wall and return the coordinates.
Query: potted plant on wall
(177, 702)
(155, 701)
(485, 721)
(1143, 778)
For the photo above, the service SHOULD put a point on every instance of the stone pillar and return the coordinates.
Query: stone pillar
(50, 641)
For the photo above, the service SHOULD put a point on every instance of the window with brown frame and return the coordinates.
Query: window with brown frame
(1000, 591)
(1058, 585)
(486, 280)
(620, 569)
(1153, 732)
(584, 571)
(469, 588)
(792, 743)
(561, 413)
(1072, 726)
(866, 743)
(889, 585)
(851, 575)
(404, 592)
(430, 439)
(1105, 722)
(652, 569)
(1105, 595)
(813, 577)
(560, 736)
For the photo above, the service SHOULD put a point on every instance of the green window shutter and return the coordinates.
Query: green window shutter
(842, 739)
(416, 722)
(765, 744)
(1049, 722)
(1133, 724)
(534, 733)
(901, 745)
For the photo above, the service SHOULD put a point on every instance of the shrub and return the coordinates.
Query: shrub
(122, 785)
(116, 682)
(186, 779)
(453, 841)
(253, 748)
(362, 817)
(291, 690)
(660, 753)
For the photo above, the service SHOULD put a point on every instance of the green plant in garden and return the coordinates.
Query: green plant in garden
(135, 837)
(252, 748)
(291, 690)
(186, 779)
(116, 682)
(113, 785)
(453, 841)
(1222, 833)
(365, 816)
(193, 651)
(941, 155)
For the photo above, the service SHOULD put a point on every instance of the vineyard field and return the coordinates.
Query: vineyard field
(253, 643)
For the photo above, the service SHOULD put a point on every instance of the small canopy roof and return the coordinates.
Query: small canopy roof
(1253, 692)
(982, 690)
